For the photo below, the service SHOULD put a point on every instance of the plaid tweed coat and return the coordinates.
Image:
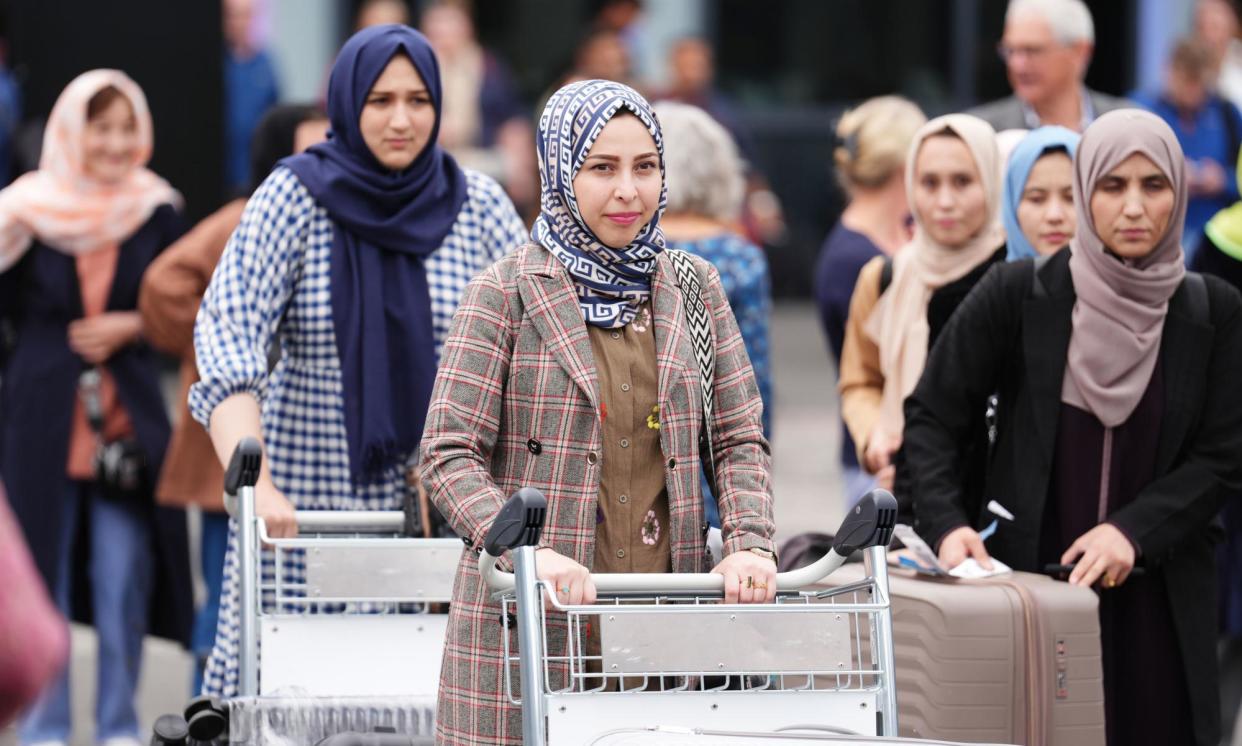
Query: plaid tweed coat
(517, 367)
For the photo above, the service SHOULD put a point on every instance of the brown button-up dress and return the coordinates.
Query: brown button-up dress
(631, 531)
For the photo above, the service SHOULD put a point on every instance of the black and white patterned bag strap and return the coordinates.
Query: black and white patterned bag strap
(699, 319)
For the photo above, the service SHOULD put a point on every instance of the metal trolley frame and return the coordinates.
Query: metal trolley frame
(341, 614)
(664, 650)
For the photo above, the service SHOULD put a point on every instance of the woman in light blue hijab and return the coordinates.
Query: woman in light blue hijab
(1038, 205)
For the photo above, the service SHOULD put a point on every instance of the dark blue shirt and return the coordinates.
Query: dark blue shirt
(250, 88)
(1207, 136)
(840, 260)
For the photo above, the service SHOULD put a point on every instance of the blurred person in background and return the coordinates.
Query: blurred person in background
(1006, 141)
(602, 55)
(1216, 25)
(900, 305)
(624, 19)
(705, 189)
(10, 112)
(484, 125)
(378, 222)
(250, 89)
(1047, 48)
(869, 160)
(381, 13)
(28, 661)
(1037, 206)
(692, 73)
(75, 238)
(692, 80)
(1120, 428)
(1209, 129)
(169, 299)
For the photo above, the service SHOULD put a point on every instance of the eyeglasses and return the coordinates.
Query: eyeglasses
(1008, 53)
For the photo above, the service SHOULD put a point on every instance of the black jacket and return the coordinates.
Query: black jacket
(1006, 340)
(940, 308)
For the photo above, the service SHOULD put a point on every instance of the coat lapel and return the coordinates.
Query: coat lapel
(553, 308)
(670, 325)
(1185, 346)
(1046, 325)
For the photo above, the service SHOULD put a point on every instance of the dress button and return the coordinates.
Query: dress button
(624, 499)
(625, 442)
(625, 387)
(592, 459)
(621, 553)
(616, 335)
(535, 446)
(672, 463)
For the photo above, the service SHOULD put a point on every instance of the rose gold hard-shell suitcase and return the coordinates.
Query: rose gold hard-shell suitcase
(1011, 659)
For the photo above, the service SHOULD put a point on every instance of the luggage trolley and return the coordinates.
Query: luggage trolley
(350, 645)
(671, 655)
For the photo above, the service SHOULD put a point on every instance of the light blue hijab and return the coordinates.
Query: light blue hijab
(1021, 161)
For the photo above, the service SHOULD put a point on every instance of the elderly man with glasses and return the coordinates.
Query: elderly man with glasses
(1046, 48)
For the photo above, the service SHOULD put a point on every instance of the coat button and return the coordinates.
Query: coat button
(625, 387)
(672, 463)
(616, 335)
(535, 446)
(624, 499)
(621, 553)
(625, 442)
(592, 459)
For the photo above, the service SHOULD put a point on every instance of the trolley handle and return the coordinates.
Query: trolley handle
(244, 466)
(870, 523)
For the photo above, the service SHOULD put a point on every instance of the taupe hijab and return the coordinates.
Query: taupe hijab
(1119, 314)
(898, 324)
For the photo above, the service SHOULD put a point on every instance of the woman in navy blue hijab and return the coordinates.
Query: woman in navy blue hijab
(353, 255)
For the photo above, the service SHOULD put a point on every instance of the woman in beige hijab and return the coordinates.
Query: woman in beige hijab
(1119, 427)
(901, 304)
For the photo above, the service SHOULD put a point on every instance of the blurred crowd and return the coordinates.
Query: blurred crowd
(948, 299)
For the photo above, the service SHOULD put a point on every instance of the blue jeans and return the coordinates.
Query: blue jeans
(214, 543)
(121, 578)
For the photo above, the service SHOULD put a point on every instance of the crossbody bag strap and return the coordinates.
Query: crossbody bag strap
(699, 319)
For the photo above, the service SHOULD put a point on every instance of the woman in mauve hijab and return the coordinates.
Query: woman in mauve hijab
(353, 255)
(1119, 427)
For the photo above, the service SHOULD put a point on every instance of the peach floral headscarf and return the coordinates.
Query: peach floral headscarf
(60, 204)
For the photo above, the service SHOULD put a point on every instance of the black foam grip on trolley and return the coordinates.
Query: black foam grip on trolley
(519, 522)
(869, 524)
(206, 718)
(244, 466)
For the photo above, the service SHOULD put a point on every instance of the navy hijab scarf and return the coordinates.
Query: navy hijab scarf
(385, 225)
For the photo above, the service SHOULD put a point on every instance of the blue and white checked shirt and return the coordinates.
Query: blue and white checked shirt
(274, 279)
(273, 283)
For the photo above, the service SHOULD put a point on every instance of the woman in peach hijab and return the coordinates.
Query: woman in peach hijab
(81, 389)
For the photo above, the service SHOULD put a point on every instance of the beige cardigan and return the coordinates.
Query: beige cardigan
(861, 382)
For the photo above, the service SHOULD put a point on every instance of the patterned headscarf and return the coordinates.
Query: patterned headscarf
(612, 283)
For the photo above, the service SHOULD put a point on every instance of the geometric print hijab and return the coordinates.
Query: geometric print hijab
(612, 283)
